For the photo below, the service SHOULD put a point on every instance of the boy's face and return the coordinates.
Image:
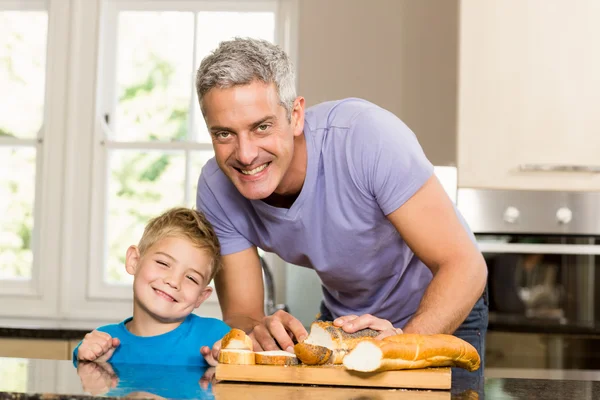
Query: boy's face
(170, 279)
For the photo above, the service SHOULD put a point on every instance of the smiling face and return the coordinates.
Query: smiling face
(170, 279)
(254, 141)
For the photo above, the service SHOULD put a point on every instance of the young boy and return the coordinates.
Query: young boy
(177, 257)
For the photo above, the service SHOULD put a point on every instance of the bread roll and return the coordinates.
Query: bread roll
(276, 357)
(328, 344)
(236, 356)
(411, 351)
(236, 339)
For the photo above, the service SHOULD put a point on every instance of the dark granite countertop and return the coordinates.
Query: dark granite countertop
(49, 379)
(43, 333)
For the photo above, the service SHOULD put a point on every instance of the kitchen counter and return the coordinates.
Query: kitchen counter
(50, 379)
(43, 333)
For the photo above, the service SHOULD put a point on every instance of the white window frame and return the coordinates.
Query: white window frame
(38, 296)
(86, 295)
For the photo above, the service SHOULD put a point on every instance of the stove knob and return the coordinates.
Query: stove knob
(564, 215)
(511, 215)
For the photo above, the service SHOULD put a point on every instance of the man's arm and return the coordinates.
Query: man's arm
(429, 225)
(240, 289)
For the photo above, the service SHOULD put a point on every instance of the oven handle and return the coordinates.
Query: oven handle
(534, 248)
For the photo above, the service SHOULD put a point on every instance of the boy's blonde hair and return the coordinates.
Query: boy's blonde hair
(184, 223)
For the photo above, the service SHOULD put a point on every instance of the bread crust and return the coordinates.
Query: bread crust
(311, 354)
(275, 358)
(236, 339)
(411, 351)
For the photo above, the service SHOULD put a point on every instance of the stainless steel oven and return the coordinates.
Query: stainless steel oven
(543, 255)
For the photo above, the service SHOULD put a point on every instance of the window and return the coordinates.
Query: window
(23, 34)
(151, 141)
(100, 129)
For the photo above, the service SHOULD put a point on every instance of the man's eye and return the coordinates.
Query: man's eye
(191, 278)
(263, 127)
(222, 135)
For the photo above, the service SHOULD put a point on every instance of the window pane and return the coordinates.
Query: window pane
(13, 375)
(17, 191)
(197, 161)
(154, 75)
(141, 186)
(215, 27)
(22, 72)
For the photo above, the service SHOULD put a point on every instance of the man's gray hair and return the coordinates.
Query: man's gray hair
(243, 60)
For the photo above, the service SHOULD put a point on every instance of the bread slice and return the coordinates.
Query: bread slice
(411, 351)
(236, 356)
(328, 344)
(275, 357)
(236, 339)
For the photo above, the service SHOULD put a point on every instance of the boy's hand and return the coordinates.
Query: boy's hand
(97, 346)
(211, 355)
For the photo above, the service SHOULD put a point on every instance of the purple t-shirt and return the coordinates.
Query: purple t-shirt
(363, 163)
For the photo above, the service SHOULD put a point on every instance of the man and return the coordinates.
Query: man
(344, 189)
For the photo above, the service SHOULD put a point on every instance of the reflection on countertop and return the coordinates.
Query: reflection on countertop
(37, 379)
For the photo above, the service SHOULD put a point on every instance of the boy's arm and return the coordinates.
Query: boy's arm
(96, 346)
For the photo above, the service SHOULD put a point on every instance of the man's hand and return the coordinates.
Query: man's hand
(353, 323)
(278, 331)
(211, 355)
(97, 346)
(96, 378)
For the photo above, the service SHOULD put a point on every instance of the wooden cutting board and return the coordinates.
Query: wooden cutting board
(258, 391)
(428, 378)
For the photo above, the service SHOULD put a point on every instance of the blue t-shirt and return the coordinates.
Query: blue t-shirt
(363, 164)
(181, 346)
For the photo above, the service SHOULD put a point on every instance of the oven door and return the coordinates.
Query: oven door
(544, 300)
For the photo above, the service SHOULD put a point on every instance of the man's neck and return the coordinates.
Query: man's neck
(291, 185)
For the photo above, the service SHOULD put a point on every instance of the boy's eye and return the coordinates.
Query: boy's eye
(162, 263)
(191, 278)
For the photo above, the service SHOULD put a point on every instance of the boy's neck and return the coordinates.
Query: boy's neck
(143, 324)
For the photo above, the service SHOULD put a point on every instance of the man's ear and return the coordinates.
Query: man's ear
(132, 258)
(297, 117)
(206, 292)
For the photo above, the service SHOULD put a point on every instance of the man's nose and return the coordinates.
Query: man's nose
(247, 150)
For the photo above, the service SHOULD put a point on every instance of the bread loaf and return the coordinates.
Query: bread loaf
(411, 351)
(276, 357)
(236, 339)
(328, 344)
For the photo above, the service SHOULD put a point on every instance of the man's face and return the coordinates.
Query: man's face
(252, 137)
(170, 278)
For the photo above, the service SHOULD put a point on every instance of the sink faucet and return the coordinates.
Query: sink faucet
(270, 306)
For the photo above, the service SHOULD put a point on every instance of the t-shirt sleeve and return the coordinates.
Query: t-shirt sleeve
(386, 158)
(230, 239)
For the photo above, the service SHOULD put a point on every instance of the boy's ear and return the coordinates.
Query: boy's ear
(132, 258)
(206, 292)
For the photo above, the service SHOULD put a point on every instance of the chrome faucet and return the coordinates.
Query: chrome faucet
(270, 306)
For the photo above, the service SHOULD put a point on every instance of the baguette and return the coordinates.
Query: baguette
(236, 339)
(276, 357)
(411, 351)
(329, 344)
(236, 356)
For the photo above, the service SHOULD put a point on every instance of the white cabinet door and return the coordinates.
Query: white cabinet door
(529, 94)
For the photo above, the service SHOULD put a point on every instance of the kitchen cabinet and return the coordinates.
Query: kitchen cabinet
(529, 95)
(35, 348)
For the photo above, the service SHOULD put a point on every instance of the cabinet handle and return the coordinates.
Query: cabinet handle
(589, 169)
